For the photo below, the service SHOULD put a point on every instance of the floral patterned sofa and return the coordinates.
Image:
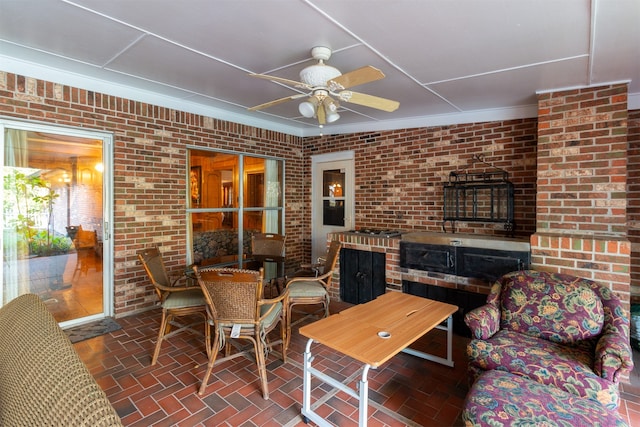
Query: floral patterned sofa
(501, 398)
(556, 329)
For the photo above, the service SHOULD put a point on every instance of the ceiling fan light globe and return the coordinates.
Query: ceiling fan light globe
(330, 106)
(332, 117)
(307, 109)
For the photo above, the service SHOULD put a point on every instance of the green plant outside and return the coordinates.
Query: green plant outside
(28, 198)
(42, 244)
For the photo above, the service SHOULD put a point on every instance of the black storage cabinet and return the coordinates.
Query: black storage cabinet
(480, 263)
(464, 300)
(422, 256)
(362, 275)
(489, 264)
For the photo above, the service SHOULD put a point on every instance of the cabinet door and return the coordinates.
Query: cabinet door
(349, 275)
(489, 264)
(420, 256)
(362, 275)
(372, 276)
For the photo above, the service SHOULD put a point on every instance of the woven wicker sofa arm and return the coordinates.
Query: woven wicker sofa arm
(43, 381)
(483, 321)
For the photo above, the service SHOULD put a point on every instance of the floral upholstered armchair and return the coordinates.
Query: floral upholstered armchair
(555, 329)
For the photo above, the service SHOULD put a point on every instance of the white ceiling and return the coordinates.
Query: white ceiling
(446, 61)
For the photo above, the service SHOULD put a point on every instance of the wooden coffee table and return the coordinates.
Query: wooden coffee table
(373, 333)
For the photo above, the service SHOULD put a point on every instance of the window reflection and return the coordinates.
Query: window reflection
(232, 196)
(333, 197)
(333, 183)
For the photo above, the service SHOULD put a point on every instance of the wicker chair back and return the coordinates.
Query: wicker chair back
(151, 260)
(232, 294)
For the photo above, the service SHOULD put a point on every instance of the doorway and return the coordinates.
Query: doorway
(333, 198)
(55, 236)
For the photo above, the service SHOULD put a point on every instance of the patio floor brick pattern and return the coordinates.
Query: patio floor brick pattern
(405, 391)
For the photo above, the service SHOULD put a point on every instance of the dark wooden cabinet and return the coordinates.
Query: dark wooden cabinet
(482, 259)
(422, 256)
(480, 263)
(489, 264)
(362, 275)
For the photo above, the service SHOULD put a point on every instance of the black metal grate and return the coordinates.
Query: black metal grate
(479, 197)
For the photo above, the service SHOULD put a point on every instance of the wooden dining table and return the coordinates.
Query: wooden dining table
(254, 262)
(372, 333)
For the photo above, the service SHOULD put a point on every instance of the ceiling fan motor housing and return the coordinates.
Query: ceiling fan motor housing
(321, 53)
(318, 75)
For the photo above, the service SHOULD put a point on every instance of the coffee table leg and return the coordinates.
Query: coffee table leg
(362, 394)
(306, 382)
(363, 405)
(449, 359)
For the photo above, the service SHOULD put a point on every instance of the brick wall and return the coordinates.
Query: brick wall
(633, 200)
(400, 174)
(150, 158)
(582, 177)
(399, 181)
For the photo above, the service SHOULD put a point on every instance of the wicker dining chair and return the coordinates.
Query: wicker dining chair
(176, 301)
(305, 290)
(269, 247)
(236, 310)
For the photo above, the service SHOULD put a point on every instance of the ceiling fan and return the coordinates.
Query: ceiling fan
(326, 86)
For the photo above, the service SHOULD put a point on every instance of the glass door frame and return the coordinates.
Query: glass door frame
(107, 202)
(319, 231)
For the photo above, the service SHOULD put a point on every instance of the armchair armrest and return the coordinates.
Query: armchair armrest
(284, 296)
(319, 278)
(271, 302)
(311, 266)
(613, 356)
(314, 268)
(189, 279)
(483, 321)
(173, 287)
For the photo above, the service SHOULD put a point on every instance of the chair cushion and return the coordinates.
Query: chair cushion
(191, 298)
(306, 289)
(560, 311)
(273, 317)
(502, 399)
(267, 322)
(565, 367)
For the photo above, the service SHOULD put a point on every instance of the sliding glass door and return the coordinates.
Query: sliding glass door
(53, 219)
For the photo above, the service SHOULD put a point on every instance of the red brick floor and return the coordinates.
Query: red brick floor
(406, 391)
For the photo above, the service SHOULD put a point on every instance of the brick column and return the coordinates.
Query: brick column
(581, 224)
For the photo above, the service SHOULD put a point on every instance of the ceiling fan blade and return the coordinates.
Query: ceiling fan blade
(356, 77)
(369, 100)
(281, 80)
(277, 101)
